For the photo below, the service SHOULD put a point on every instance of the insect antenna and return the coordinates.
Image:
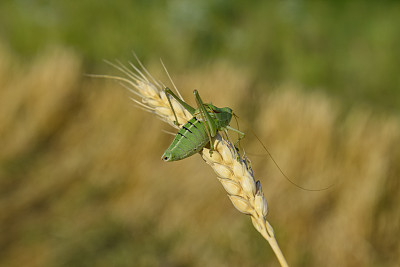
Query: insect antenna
(284, 175)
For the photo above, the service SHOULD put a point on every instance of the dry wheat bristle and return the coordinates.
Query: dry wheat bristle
(233, 171)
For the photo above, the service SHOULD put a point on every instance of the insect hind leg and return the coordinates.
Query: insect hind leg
(189, 108)
(208, 122)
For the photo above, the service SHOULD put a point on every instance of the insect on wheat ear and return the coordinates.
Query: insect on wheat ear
(195, 134)
(206, 121)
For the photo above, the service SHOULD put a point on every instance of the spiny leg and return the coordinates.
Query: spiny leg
(209, 124)
(180, 101)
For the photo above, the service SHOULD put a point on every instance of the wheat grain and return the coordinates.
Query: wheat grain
(233, 171)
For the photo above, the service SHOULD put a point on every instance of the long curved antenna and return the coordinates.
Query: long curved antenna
(284, 175)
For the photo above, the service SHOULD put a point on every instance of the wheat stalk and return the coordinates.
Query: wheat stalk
(233, 171)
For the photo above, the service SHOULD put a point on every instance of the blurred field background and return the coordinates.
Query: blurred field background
(81, 179)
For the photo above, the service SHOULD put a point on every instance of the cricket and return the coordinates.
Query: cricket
(194, 135)
(197, 132)
(197, 128)
(207, 121)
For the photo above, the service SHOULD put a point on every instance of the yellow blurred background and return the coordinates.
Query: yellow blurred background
(81, 179)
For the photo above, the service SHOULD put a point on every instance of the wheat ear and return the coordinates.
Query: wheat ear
(233, 171)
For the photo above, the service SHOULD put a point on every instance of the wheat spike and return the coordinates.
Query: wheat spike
(233, 171)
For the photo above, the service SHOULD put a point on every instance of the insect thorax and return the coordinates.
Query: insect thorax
(221, 116)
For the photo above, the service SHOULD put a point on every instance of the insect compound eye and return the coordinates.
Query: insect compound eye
(166, 157)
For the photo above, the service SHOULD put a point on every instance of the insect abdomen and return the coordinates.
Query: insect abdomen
(189, 140)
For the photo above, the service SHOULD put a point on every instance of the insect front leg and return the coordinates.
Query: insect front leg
(209, 123)
(189, 108)
(241, 136)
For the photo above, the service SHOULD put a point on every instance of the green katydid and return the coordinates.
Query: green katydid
(194, 135)
(207, 120)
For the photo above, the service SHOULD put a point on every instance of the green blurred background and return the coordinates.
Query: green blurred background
(81, 180)
(350, 49)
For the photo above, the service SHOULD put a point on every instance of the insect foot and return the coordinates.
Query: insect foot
(211, 151)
